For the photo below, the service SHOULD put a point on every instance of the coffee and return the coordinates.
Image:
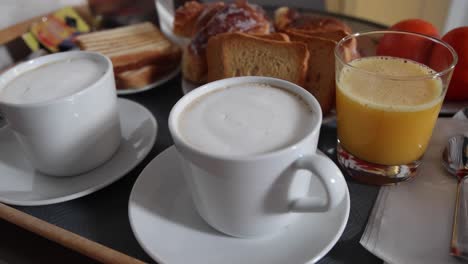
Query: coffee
(246, 119)
(52, 81)
(241, 141)
(62, 108)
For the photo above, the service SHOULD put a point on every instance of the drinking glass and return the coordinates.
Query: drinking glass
(384, 116)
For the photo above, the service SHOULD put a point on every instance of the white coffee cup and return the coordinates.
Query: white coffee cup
(255, 195)
(70, 134)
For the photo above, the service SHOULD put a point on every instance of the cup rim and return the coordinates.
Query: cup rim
(32, 64)
(437, 74)
(178, 108)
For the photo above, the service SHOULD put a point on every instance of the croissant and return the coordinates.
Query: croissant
(207, 20)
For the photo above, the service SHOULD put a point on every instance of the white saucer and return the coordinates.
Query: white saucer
(188, 86)
(168, 228)
(160, 81)
(20, 184)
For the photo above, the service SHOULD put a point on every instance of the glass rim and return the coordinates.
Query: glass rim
(436, 74)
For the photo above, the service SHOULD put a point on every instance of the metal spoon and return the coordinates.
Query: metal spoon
(455, 160)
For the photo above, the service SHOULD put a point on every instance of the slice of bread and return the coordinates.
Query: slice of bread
(335, 35)
(320, 80)
(240, 54)
(194, 66)
(131, 47)
(215, 53)
(273, 36)
(141, 77)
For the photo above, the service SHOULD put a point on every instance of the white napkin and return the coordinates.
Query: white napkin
(412, 222)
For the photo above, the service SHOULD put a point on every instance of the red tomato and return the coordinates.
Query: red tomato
(458, 39)
(408, 47)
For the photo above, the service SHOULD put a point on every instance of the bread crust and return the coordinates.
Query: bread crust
(194, 67)
(350, 46)
(320, 80)
(274, 36)
(321, 35)
(143, 76)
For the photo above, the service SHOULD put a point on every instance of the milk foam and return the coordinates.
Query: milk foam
(246, 119)
(52, 81)
(391, 94)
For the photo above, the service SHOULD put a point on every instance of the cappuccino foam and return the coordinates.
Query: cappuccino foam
(246, 119)
(52, 81)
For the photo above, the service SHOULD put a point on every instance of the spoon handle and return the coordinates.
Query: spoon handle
(459, 243)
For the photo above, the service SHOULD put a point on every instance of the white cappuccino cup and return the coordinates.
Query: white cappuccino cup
(242, 143)
(62, 108)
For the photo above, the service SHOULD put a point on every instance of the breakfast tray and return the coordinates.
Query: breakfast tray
(97, 225)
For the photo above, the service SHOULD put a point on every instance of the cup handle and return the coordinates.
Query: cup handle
(329, 175)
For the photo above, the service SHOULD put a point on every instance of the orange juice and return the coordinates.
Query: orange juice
(387, 120)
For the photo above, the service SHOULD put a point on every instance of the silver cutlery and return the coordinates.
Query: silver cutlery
(455, 160)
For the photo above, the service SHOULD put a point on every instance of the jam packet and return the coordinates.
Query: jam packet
(56, 31)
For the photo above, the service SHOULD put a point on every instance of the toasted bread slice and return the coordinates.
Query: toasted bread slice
(240, 54)
(320, 80)
(131, 47)
(335, 35)
(143, 76)
(194, 64)
(273, 36)
(215, 53)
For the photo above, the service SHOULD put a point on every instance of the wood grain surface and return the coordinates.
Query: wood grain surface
(65, 238)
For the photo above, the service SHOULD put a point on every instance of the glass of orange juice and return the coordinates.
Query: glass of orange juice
(390, 86)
